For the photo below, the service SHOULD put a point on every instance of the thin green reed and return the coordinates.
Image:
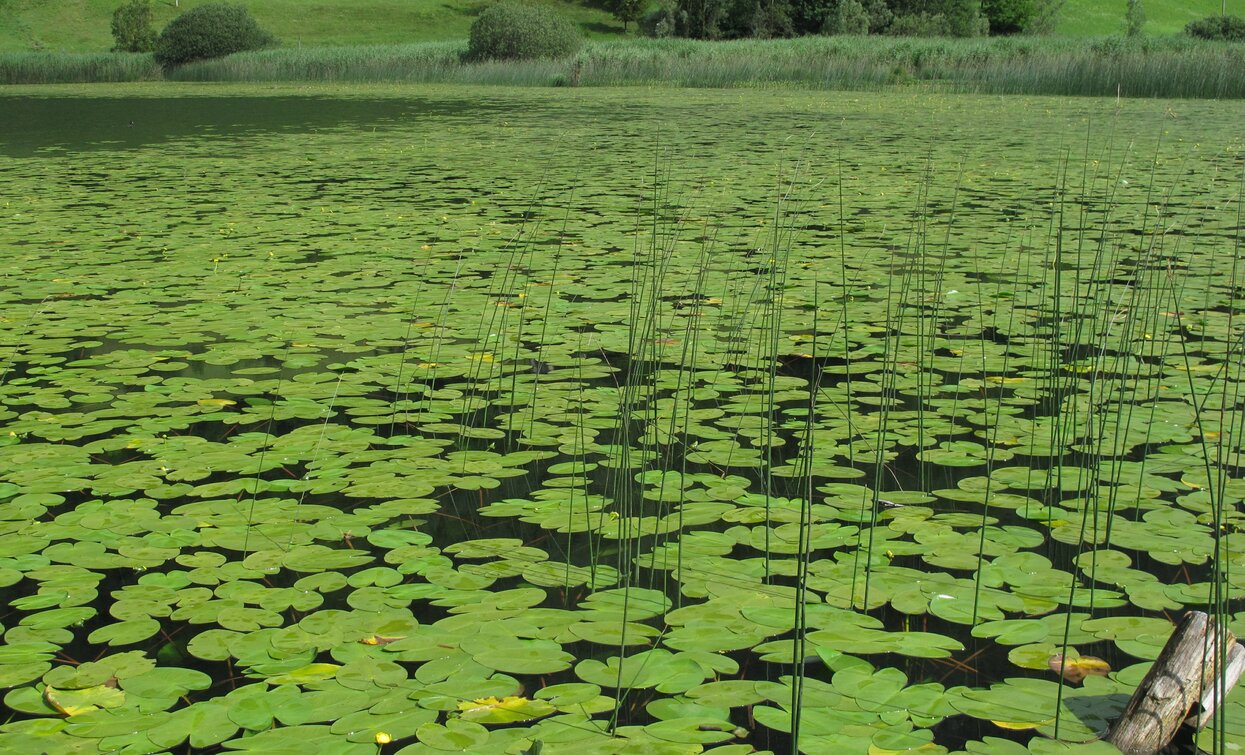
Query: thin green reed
(259, 466)
(892, 346)
(928, 327)
(847, 344)
(1075, 354)
(1217, 477)
(487, 327)
(442, 319)
(804, 551)
(525, 295)
(406, 347)
(1098, 317)
(648, 268)
(991, 434)
(678, 442)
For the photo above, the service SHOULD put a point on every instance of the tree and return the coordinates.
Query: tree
(1228, 28)
(1134, 18)
(700, 19)
(850, 17)
(628, 11)
(513, 31)
(1009, 16)
(932, 18)
(810, 16)
(964, 18)
(206, 31)
(770, 19)
(131, 27)
(880, 15)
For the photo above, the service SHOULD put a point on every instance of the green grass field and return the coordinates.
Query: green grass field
(1095, 18)
(83, 25)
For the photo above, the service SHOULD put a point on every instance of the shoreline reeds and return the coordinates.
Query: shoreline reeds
(1154, 67)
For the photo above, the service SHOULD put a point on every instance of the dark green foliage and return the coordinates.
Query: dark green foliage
(1226, 28)
(920, 25)
(726, 19)
(1134, 18)
(131, 27)
(811, 16)
(850, 17)
(938, 18)
(839, 16)
(628, 11)
(209, 31)
(1009, 16)
(510, 31)
(880, 15)
(700, 19)
(766, 19)
(659, 23)
(734, 19)
(964, 18)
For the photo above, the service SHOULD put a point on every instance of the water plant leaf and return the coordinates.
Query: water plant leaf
(508, 710)
(1076, 669)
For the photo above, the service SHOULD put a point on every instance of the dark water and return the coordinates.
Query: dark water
(34, 125)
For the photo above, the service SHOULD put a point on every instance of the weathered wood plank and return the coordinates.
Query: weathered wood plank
(1231, 675)
(1183, 673)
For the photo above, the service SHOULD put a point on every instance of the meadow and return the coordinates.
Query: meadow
(449, 419)
(81, 26)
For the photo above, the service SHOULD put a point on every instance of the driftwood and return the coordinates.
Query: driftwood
(1210, 700)
(1184, 674)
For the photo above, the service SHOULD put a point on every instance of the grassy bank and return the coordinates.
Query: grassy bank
(83, 25)
(1085, 18)
(1154, 67)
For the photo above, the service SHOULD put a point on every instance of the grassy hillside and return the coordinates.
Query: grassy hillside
(1097, 18)
(83, 25)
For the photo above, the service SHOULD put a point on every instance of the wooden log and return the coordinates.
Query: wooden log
(1210, 701)
(1184, 671)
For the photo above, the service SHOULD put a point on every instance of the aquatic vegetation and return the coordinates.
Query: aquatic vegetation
(819, 421)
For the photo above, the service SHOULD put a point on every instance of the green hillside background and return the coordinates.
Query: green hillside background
(82, 25)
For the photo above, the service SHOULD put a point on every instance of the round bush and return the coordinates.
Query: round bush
(209, 31)
(515, 32)
(1227, 28)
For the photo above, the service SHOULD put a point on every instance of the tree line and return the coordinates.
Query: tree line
(728, 19)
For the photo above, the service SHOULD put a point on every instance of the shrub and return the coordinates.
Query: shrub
(1134, 18)
(627, 11)
(1227, 28)
(1008, 16)
(515, 32)
(131, 27)
(209, 31)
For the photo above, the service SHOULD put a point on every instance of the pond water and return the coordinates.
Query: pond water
(488, 420)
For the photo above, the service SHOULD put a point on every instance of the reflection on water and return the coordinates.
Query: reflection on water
(34, 125)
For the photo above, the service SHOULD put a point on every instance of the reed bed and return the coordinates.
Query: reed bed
(1158, 67)
(76, 68)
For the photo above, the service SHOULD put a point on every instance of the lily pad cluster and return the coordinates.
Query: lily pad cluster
(343, 437)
